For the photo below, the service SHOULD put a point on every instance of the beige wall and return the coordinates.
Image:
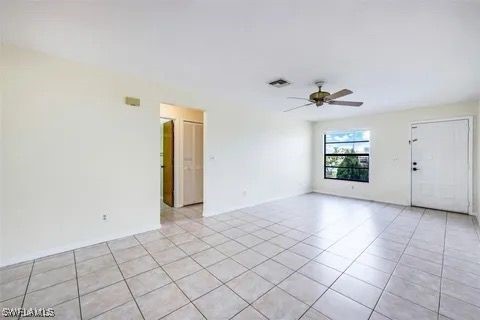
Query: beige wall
(390, 152)
(179, 115)
(72, 151)
(180, 112)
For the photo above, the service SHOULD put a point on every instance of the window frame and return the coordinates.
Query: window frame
(343, 155)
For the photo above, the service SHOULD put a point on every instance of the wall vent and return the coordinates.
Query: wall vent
(279, 83)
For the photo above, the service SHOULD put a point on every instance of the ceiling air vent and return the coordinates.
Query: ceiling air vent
(279, 83)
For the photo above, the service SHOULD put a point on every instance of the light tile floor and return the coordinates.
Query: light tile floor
(307, 257)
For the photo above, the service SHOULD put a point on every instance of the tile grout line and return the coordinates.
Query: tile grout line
(411, 235)
(78, 287)
(328, 287)
(103, 312)
(353, 261)
(212, 247)
(227, 257)
(440, 264)
(274, 285)
(64, 281)
(28, 284)
(126, 283)
(236, 226)
(477, 228)
(172, 280)
(443, 261)
(317, 255)
(396, 265)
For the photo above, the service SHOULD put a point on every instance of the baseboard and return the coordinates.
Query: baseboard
(74, 245)
(358, 197)
(473, 214)
(229, 209)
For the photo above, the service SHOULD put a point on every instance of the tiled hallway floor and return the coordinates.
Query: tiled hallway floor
(308, 257)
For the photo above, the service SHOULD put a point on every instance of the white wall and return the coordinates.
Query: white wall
(390, 152)
(254, 157)
(179, 115)
(73, 151)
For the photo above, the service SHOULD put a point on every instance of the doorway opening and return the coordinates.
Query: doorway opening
(181, 161)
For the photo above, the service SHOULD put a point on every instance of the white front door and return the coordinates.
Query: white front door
(440, 165)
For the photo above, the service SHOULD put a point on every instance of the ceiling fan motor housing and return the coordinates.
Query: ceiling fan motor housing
(318, 97)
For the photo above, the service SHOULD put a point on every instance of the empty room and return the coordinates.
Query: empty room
(273, 159)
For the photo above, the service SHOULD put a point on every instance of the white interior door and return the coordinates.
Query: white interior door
(198, 162)
(440, 165)
(192, 163)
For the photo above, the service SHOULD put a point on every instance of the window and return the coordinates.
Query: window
(347, 155)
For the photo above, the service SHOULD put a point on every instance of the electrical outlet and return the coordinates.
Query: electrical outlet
(104, 217)
(353, 187)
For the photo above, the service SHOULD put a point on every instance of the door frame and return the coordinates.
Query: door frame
(470, 154)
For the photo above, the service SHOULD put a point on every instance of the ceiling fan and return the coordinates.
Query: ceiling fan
(320, 97)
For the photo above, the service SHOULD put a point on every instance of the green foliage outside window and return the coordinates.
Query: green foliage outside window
(347, 157)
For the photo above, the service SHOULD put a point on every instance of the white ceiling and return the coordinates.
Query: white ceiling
(392, 54)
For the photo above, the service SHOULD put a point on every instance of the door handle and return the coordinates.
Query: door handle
(415, 169)
(414, 163)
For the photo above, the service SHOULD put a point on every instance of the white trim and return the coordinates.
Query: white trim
(207, 213)
(178, 162)
(75, 245)
(190, 121)
(470, 155)
(205, 159)
(357, 197)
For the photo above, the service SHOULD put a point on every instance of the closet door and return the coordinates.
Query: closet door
(188, 163)
(192, 163)
(198, 159)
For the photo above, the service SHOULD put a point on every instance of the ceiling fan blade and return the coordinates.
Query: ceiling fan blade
(308, 104)
(339, 94)
(300, 99)
(346, 103)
